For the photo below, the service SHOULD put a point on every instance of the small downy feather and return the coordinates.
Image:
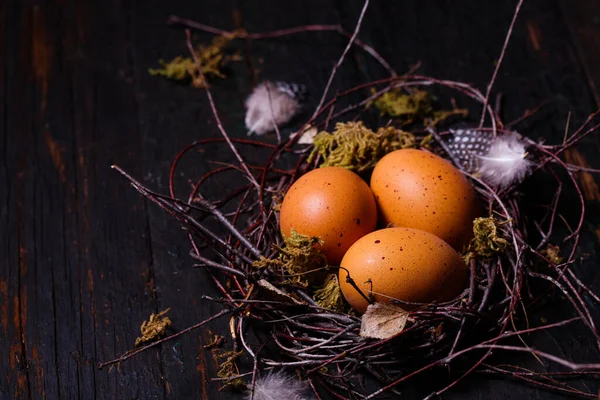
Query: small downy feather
(505, 162)
(272, 104)
(279, 386)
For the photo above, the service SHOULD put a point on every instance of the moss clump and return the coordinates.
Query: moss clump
(154, 328)
(299, 255)
(228, 370)
(330, 294)
(357, 148)
(486, 242)
(552, 254)
(414, 106)
(211, 58)
(398, 103)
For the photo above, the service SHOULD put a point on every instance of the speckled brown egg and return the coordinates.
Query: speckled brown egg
(332, 203)
(418, 189)
(402, 263)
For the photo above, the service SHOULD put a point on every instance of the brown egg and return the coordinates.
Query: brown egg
(402, 263)
(418, 189)
(332, 203)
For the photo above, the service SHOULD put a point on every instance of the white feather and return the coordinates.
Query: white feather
(269, 106)
(506, 161)
(279, 386)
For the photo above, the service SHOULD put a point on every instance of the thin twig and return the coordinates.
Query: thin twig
(213, 107)
(341, 60)
(499, 63)
(153, 344)
(173, 19)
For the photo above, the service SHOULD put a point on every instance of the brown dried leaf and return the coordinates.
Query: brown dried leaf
(276, 293)
(382, 321)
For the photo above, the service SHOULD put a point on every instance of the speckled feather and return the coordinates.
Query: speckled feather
(468, 144)
(498, 160)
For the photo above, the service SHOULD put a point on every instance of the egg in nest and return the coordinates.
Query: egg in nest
(332, 203)
(405, 264)
(418, 189)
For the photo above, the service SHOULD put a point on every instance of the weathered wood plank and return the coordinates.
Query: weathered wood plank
(85, 260)
(113, 275)
(17, 253)
(170, 116)
(583, 20)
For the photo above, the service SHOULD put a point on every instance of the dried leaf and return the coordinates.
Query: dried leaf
(382, 321)
(277, 294)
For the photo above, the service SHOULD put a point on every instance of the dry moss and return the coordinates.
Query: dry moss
(212, 59)
(486, 242)
(356, 147)
(228, 369)
(552, 254)
(299, 255)
(413, 107)
(398, 103)
(154, 328)
(330, 294)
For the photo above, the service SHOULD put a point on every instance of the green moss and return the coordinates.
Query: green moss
(552, 254)
(486, 242)
(357, 148)
(212, 59)
(299, 255)
(154, 328)
(228, 370)
(414, 107)
(330, 294)
(398, 103)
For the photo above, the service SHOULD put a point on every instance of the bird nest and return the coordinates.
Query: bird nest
(280, 319)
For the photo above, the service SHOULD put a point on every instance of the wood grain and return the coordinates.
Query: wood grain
(85, 260)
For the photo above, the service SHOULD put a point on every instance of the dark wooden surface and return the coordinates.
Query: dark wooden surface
(84, 260)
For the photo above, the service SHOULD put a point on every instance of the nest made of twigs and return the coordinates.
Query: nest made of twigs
(275, 320)
(324, 345)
